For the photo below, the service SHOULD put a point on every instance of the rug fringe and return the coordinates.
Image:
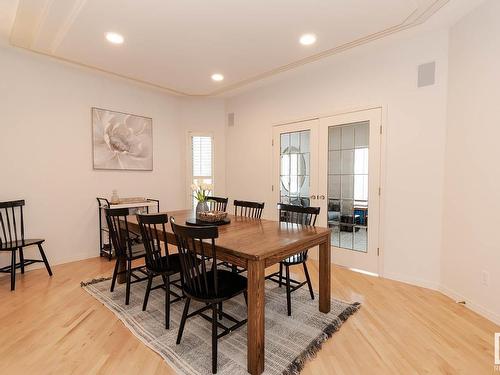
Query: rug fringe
(94, 281)
(314, 347)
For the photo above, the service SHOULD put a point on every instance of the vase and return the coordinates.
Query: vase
(115, 199)
(201, 207)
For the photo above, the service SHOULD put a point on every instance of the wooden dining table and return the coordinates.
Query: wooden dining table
(256, 244)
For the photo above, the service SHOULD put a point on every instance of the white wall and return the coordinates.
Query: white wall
(46, 147)
(471, 205)
(383, 73)
(436, 234)
(208, 115)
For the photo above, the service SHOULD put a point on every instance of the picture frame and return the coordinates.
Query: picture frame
(121, 141)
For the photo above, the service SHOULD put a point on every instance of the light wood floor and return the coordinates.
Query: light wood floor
(52, 326)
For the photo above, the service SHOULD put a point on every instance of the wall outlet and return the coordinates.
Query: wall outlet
(485, 278)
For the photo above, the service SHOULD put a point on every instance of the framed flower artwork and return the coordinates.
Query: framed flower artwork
(121, 141)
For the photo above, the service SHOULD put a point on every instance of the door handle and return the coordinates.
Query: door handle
(322, 197)
(313, 197)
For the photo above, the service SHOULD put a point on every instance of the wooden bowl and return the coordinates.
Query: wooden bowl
(212, 216)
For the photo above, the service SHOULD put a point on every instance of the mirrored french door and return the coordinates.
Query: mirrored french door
(334, 163)
(296, 154)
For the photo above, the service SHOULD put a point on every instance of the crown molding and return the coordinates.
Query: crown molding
(24, 36)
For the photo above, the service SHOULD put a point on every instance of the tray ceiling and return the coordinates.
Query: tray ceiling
(178, 44)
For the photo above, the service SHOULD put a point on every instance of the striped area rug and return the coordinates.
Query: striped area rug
(290, 341)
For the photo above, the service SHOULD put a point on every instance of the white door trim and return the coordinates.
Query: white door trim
(382, 169)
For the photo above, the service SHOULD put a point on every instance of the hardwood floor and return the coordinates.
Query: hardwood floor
(52, 326)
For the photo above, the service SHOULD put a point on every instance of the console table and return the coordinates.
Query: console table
(105, 244)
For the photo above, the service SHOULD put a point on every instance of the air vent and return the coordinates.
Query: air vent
(427, 74)
(230, 119)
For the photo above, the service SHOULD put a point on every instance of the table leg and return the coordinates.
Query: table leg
(256, 318)
(122, 266)
(324, 276)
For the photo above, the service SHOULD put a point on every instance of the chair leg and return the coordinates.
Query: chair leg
(288, 293)
(214, 338)
(183, 320)
(182, 286)
(220, 310)
(148, 290)
(44, 258)
(115, 274)
(166, 281)
(13, 271)
(21, 259)
(281, 274)
(245, 295)
(309, 284)
(129, 279)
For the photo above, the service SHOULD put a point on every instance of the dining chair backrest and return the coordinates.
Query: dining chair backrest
(154, 233)
(248, 209)
(297, 214)
(117, 219)
(197, 257)
(11, 223)
(217, 203)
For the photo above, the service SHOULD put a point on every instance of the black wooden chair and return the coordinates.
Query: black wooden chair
(296, 215)
(203, 282)
(107, 249)
(154, 236)
(245, 209)
(127, 249)
(12, 239)
(248, 209)
(217, 203)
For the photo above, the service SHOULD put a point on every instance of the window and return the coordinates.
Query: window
(348, 147)
(294, 175)
(202, 152)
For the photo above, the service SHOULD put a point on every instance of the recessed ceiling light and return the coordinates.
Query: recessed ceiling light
(307, 39)
(114, 38)
(217, 77)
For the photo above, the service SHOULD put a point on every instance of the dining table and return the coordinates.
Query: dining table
(255, 244)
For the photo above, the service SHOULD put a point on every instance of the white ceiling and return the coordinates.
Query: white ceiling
(178, 44)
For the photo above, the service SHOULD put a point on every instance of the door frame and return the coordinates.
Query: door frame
(382, 170)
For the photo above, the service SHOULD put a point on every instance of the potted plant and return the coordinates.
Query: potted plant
(201, 194)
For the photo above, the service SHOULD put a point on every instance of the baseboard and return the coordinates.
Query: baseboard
(74, 258)
(68, 259)
(477, 308)
(412, 281)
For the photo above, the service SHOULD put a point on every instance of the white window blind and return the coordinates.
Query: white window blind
(202, 156)
(202, 161)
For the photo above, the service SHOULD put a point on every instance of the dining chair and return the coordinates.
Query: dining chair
(12, 239)
(296, 215)
(127, 249)
(245, 209)
(217, 203)
(154, 236)
(248, 209)
(204, 282)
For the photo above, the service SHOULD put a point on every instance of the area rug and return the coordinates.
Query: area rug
(290, 341)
